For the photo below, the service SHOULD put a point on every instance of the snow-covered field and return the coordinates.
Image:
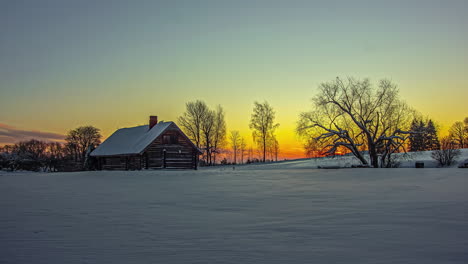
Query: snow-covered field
(405, 160)
(253, 214)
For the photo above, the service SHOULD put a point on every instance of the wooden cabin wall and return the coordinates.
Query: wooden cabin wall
(179, 155)
(121, 163)
(111, 163)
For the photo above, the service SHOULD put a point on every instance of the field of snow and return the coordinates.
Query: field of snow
(406, 160)
(253, 214)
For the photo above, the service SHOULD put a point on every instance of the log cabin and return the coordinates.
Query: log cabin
(154, 146)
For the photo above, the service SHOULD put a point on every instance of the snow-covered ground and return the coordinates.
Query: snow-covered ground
(253, 214)
(406, 160)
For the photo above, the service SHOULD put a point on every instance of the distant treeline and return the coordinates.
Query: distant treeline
(37, 155)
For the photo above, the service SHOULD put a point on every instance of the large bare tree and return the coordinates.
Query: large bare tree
(263, 124)
(358, 116)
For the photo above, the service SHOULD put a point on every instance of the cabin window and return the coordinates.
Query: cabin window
(170, 139)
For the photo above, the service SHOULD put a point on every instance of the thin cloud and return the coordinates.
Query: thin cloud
(9, 135)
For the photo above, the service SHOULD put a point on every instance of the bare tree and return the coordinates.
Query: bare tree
(446, 155)
(276, 148)
(272, 147)
(207, 129)
(459, 134)
(191, 120)
(55, 154)
(250, 154)
(355, 115)
(80, 139)
(263, 125)
(32, 149)
(235, 140)
(219, 136)
(242, 149)
(26, 155)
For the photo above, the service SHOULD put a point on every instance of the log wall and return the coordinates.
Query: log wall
(129, 162)
(163, 154)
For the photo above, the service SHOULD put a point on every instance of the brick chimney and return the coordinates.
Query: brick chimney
(153, 121)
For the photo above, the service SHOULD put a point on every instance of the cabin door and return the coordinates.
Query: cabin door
(164, 158)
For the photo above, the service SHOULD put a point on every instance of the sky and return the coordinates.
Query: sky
(112, 64)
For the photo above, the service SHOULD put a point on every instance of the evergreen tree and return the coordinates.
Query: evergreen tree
(417, 139)
(431, 141)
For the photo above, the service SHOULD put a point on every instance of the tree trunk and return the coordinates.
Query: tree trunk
(373, 155)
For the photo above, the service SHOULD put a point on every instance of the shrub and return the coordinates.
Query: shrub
(447, 154)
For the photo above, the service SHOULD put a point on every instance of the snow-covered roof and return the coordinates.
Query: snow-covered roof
(132, 140)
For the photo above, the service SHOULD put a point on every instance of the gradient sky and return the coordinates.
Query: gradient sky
(111, 64)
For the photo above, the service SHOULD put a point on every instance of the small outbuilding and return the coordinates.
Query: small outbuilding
(153, 146)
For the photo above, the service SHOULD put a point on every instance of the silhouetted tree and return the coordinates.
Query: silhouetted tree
(235, 140)
(250, 154)
(424, 136)
(56, 153)
(242, 149)
(272, 147)
(207, 129)
(353, 114)
(80, 139)
(191, 120)
(219, 136)
(431, 139)
(275, 148)
(262, 123)
(25, 155)
(447, 153)
(458, 134)
(416, 140)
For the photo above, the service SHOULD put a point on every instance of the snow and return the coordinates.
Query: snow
(406, 160)
(131, 140)
(250, 214)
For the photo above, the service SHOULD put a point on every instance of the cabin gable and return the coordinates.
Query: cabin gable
(171, 150)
